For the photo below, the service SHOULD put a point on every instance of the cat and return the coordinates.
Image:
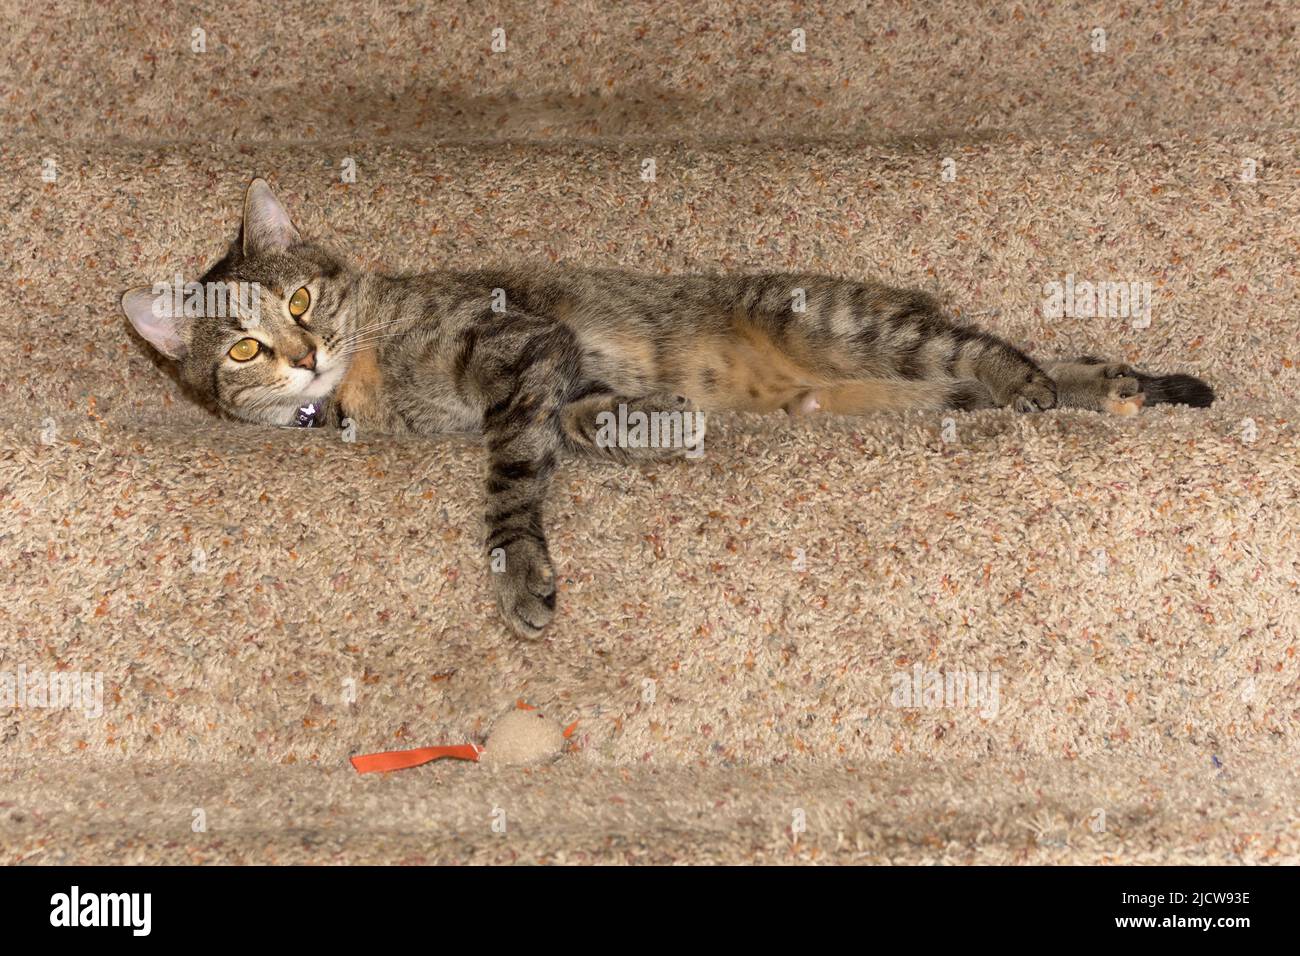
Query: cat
(536, 358)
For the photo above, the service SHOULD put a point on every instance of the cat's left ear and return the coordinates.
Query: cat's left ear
(267, 227)
(150, 313)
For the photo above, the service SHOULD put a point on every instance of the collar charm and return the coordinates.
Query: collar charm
(309, 416)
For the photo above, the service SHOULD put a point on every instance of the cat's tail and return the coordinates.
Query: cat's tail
(1175, 390)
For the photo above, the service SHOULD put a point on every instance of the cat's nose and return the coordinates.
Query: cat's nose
(307, 361)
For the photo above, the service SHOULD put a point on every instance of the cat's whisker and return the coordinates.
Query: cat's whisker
(366, 330)
(360, 332)
(370, 335)
(367, 336)
(372, 327)
(361, 346)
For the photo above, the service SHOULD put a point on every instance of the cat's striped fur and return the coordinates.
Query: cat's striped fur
(530, 357)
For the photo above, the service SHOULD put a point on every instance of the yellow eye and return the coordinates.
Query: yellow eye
(299, 301)
(245, 349)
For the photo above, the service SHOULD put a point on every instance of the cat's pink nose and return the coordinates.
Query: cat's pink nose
(308, 361)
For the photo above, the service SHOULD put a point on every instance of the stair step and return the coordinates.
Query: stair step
(675, 71)
(274, 595)
(1173, 810)
(1215, 252)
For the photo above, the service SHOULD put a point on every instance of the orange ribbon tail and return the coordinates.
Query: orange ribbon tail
(401, 759)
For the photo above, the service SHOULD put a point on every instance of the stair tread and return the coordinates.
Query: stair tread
(1167, 809)
(701, 71)
(977, 555)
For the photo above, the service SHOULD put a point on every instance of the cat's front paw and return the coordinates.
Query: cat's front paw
(524, 579)
(1035, 392)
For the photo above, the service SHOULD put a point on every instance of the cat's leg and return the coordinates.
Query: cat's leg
(519, 375)
(968, 396)
(865, 398)
(847, 333)
(923, 343)
(627, 429)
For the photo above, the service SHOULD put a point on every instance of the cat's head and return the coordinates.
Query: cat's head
(265, 332)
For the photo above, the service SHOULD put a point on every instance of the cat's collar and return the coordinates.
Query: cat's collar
(311, 415)
(322, 413)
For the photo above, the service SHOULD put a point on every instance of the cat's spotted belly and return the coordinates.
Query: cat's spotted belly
(742, 369)
(748, 372)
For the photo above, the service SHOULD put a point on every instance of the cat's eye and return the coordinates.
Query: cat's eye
(299, 301)
(245, 349)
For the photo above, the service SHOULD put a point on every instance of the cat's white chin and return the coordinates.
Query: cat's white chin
(319, 384)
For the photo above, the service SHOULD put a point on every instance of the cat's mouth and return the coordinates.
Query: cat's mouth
(316, 386)
(318, 383)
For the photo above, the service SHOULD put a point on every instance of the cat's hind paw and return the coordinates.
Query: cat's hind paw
(1110, 387)
(1125, 396)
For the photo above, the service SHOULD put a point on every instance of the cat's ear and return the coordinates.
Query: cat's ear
(267, 227)
(150, 313)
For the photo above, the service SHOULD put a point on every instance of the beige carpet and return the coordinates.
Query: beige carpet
(734, 632)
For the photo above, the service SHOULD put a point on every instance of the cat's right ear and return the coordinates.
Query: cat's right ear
(150, 313)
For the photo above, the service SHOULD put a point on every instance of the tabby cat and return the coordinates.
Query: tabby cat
(532, 358)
